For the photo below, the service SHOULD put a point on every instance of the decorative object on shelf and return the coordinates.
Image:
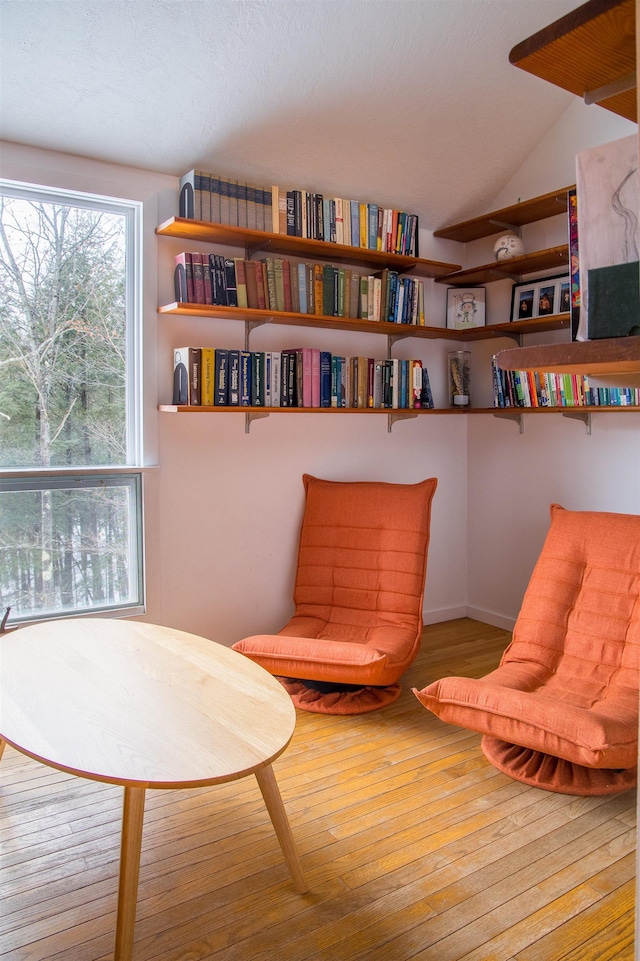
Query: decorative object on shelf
(607, 184)
(508, 246)
(459, 378)
(540, 298)
(465, 307)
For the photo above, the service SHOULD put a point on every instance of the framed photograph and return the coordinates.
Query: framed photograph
(541, 298)
(465, 307)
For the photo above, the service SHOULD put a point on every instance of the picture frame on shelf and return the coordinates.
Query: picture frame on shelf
(543, 297)
(465, 307)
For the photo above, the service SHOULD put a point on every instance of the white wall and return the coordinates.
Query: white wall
(513, 477)
(223, 507)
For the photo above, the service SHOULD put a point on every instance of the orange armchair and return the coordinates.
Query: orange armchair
(358, 595)
(561, 710)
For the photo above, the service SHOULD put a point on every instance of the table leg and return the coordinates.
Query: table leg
(271, 794)
(130, 844)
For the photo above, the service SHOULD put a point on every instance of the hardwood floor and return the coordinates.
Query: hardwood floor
(413, 845)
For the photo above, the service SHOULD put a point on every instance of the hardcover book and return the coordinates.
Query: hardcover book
(186, 376)
(233, 394)
(221, 374)
(207, 377)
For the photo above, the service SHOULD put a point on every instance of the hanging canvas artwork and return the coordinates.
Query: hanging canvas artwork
(608, 186)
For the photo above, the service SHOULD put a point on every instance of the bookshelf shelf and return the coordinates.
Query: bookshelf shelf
(516, 267)
(590, 52)
(254, 240)
(515, 216)
(253, 316)
(515, 329)
(401, 411)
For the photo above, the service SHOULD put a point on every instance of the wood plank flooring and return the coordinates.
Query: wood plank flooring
(413, 845)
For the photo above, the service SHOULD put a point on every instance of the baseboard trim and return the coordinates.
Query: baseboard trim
(490, 617)
(477, 613)
(445, 614)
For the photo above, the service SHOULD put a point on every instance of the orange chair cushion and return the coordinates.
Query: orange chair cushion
(567, 685)
(359, 585)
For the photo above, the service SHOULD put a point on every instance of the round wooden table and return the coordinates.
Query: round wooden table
(146, 707)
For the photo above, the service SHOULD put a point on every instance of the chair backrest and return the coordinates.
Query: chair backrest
(580, 616)
(362, 555)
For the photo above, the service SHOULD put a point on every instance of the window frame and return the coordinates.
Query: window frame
(52, 478)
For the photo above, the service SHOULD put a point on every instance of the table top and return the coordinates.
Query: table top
(137, 704)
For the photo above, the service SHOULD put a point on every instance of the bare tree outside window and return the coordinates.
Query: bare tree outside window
(68, 542)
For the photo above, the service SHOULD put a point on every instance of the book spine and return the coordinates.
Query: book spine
(245, 378)
(318, 293)
(257, 378)
(198, 277)
(220, 384)
(205, 196)
(234, 378)
(230, 282)
(279, 278)
(261, 284)
(207, 377)
(287, 287)
(225, 202)
(315, 377)
(325, 378)
(241, 282)
(251, 280)
(276, 378)
(302, 288)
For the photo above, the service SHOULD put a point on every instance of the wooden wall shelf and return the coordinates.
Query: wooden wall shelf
(516, 215)
(618, 355)
(552, 258)
(255, 240)
(589, 49)
(395, 331)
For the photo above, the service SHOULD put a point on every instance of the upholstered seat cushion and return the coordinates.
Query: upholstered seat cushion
(567, 684)
(359, 586)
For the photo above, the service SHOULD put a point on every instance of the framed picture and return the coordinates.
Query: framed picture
(465, 307)
(541, 298)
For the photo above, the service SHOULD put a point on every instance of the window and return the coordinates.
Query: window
(70, 511)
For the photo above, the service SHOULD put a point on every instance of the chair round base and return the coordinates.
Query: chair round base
(553, 773)
(358, 701)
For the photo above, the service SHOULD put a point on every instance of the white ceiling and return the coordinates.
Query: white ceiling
(406, 103)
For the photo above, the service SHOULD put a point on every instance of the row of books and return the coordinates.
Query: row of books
(521, 388)
(298, 213)
(303, 288)
(301, 377)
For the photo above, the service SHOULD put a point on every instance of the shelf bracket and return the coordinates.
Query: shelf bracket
(250, 416)
(625, 83)
(249, 251)
(398, 415)
(510, 414)
(393, 338)
(250, 326)
(579, 415)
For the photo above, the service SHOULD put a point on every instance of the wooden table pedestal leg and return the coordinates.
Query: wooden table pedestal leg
(271, 794)
(130, 844)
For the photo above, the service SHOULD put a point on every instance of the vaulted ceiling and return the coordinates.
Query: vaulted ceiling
(407, 103)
